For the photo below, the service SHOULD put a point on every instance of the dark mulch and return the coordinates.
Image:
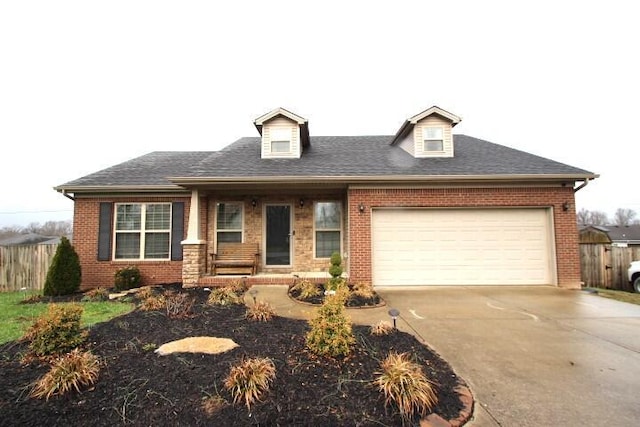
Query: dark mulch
(138, 387)
(353, 301)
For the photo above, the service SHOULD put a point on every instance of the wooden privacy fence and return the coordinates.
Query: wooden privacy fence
(605, 266)
(25, 266)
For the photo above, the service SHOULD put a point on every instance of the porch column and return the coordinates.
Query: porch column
(193, 248)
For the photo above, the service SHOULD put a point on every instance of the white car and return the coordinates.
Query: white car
(634, 275)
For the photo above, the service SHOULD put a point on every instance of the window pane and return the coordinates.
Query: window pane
(432, 133)
(280, 146)
(433, 146)
(327, 242)
(327, 215)
(229, 216)
(156, 245)
(128, 217)
(229, 237)
(158, 217)
(127, 245)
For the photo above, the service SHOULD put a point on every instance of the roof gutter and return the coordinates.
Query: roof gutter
(364, 179)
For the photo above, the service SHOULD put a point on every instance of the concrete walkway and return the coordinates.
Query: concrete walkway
(533, 356)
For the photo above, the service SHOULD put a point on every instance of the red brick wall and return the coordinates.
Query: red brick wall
(564, 222)
(85, 241)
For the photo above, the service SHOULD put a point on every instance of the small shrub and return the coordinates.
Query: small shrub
(404, 384)
(97, 294)
(239, 286)
(149, 346)
(154, 302)
(381, 328)
(179, 305)
(75, 370)
(145, 292)
(307, 289)
(335, 270)
(212, 404)
(363, 290)
(64, 275)
(127, 278)
(250, 379)
(57, 331)
(260, 312)
(330, 333)
(223, 296)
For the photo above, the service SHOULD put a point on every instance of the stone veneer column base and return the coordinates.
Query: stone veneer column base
(193, 263)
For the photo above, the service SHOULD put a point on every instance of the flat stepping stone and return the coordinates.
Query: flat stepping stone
(208, 345)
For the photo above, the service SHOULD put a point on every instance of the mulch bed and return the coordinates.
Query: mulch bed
(138, 387)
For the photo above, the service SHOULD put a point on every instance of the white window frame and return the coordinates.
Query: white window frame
(426, 139)
(280, 135)
(316, 230)
(142, 231)
(230, 230)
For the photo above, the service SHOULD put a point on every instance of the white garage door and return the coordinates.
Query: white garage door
(461, 247)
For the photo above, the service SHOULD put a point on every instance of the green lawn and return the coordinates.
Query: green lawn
(619, 295)
(15, 318)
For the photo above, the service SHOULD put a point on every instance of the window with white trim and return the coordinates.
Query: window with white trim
(229, 222)
(142, 231)
(327, 228)
(432, 138)
(280, 140)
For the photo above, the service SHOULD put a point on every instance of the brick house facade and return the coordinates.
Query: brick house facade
(411, 197)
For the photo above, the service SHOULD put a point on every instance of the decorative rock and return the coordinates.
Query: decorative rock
(208, 345)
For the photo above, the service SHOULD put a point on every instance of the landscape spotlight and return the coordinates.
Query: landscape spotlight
(253, 292)
(394, 313)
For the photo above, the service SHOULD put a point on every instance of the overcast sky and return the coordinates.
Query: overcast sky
(85, 84)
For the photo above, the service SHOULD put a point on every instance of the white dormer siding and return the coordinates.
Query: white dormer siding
(281, 139)
(427, 135)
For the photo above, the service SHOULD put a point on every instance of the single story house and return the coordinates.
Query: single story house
(419, 207)
(615, 235)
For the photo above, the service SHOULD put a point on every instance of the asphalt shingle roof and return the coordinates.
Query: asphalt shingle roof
(330, 156)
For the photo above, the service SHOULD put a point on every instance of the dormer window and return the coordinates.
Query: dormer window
(284, 135)
(280, 140)
(432, 138)
(428, 134)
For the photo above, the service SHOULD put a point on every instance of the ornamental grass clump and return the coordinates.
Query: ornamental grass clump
(74, 370)
(179, 305)
(153, 303)
(96, 295)
(307, 289)
(57, 331)
(404, 385)
(250, 379)
(330, 333)
(224, 296)
(261, 311)
(381, 328)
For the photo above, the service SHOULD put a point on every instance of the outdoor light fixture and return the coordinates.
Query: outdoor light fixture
(254, 202)
(394, 313)
(301, 202)
(565, 206)
(361, 208)
(253, 292)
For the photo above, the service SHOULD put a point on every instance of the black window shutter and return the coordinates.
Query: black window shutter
(104, 231)
(177, 230)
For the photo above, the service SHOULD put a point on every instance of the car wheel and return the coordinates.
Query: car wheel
(636, 284)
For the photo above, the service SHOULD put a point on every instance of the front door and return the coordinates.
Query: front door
(278, 233)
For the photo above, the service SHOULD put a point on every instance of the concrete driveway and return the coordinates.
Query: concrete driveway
(533, 356)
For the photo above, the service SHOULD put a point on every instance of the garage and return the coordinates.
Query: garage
(462, 247)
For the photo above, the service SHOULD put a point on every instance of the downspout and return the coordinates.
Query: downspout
(64, 193)
(581, 186)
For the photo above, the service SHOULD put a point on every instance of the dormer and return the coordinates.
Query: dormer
(428, 134)
(284, 134)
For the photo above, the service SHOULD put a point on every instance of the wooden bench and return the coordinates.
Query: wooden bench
(235, 258)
